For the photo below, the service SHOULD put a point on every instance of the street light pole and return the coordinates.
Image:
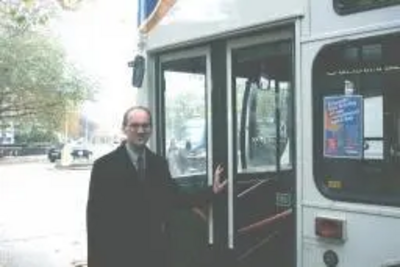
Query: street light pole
(66, 128)
(86, 130)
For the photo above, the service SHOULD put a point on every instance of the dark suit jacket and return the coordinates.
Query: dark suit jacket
(126, 217)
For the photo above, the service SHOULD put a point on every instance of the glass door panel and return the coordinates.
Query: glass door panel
(185, 88)
(185, 91)
(261, 161)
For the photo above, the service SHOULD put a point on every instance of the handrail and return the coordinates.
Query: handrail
(265, 221)
(258, 245)
(251, 188)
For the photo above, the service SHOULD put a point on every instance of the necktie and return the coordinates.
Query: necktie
(141, 167)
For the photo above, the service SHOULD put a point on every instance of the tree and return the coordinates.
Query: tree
(37, 83)
(21, 15)
(35, 135)
(70, 5)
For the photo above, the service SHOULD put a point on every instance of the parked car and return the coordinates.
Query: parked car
(54, 153)
(188, 153)
(81, 152)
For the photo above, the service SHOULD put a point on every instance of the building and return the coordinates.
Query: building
(7, 134)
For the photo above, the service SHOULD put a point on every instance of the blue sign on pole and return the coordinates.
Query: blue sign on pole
(145, 8)
(151, 12)
(343, 126)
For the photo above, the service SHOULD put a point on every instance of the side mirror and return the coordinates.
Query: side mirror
(138, 68)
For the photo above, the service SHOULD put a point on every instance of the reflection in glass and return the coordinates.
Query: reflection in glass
(185, 117)
(373, 117)
(373, 127)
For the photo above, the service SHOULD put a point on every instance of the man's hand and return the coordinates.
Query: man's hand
(218, 186)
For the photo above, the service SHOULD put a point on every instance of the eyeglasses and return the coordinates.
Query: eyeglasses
(137, 126)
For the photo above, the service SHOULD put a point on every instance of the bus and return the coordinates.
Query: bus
(300, 102)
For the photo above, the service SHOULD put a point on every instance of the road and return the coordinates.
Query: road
(42, 215)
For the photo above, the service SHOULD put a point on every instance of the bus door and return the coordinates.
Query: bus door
(261, 158)
(231, 103)
(184, 134)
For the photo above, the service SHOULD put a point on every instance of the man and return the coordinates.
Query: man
(131, 195)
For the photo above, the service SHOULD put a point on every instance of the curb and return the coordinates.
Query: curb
(22, 159)
(76, 166)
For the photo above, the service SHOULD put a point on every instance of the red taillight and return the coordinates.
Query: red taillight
(329, 228)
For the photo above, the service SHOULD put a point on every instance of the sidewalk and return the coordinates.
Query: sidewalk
(22, 159)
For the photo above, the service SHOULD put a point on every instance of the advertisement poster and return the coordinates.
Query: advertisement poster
(343, 126)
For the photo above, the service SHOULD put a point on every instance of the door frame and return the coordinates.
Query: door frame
(281, 34)
(203, 51)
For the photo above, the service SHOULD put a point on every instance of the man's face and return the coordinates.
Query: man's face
(138, 128)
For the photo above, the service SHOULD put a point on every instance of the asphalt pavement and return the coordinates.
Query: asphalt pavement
(42, 213)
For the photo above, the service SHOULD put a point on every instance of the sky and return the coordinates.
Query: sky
(100, 38)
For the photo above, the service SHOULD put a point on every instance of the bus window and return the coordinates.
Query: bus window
(352, 6)
(263, 102)
(373, 68)
(185, 117)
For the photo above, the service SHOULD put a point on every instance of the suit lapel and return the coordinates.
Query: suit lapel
(151, 164)
(126, 166)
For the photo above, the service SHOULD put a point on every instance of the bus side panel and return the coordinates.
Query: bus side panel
(325, 20)
(370, 239)
(217, 17)
(370, 231)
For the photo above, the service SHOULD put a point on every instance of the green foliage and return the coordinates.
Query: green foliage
(35, 135)
(184, 103)
(70, 5)
(22, 15)
(37, 83)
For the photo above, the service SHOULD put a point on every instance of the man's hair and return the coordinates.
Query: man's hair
(129, 110)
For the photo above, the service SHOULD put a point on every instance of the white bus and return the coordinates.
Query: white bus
(300, 100)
